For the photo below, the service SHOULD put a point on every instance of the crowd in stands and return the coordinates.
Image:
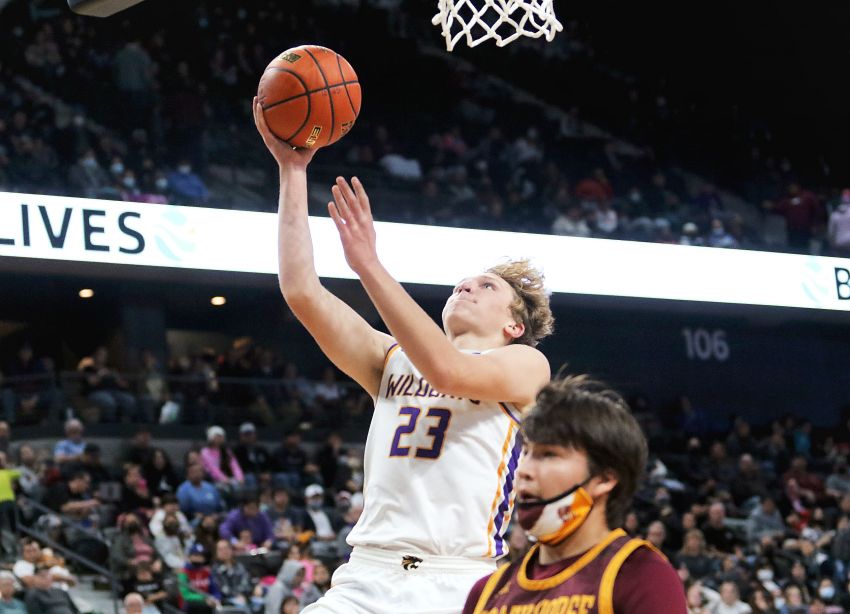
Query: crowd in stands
(755, 519)
(199, 388)
(141, 106)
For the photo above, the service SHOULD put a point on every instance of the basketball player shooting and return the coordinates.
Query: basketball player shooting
(443, 443)
(582, 459)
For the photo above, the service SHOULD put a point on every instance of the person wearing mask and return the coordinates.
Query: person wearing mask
(171, 542)
(196, 583)
(132, 546)
(170, 507)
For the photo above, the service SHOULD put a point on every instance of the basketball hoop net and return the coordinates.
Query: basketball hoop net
(502, 20)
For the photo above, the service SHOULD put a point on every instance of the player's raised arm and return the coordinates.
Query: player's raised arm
(510, 372)
(346, 339)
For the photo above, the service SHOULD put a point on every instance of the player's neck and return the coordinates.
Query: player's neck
(589, 534)
(471, 341)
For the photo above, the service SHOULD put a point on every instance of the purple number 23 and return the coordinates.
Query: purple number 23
(437, 432)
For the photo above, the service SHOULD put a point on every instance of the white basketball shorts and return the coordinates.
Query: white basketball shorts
(376, 581)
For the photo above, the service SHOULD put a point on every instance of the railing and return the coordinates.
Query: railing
(44, 538)
(199, 398)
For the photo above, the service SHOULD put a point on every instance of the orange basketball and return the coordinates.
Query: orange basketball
(310, 96)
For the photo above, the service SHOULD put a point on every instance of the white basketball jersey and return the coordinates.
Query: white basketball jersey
(439, 470)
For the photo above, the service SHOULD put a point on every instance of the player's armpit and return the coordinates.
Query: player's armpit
(514, 374)
(357, 349)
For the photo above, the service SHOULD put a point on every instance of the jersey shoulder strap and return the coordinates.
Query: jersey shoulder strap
(606, 586)
(490, 588)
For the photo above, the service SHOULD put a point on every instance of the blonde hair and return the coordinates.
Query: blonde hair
(531, 304)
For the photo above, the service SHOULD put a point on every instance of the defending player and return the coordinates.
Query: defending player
(443, 443)
(582, 459)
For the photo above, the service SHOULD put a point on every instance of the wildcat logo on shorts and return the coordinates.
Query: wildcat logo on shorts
(410, 562)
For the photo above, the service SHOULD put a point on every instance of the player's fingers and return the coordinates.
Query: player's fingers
(341, 204)
(334, 213)
(348, 193)
(362, 197)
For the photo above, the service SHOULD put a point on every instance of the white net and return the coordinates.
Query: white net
(501, 20)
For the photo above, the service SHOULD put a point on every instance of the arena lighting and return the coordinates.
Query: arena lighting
(100, 8)
(86, 293)
(84, 230)
(218, 301)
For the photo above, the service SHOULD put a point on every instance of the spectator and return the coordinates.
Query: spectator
(171, 542)
(248, 517)
(196, 582)
(135, 494)
(27, 392)
(8, 479)
(804, 215)
(24, 568)
(186, 186)
(30, 469)
(134, 603)
(207, 533)
(281, 510)
(693, 556)
(72, 447)
(838, 482)
(571, 223)
(718, 237)
(690, 235)
(87, 178)
(838, 230)
(316, 589)
(253, 458)
(131, 547)
(318, 520)
(231, 577)
(149, 586)
(160, 475)
(764, 521)
(729, 602)
(656, 534)
(220, 463)
(43, 598)
(8, 603)
(140, 451)
(810, 486)
(170, 507)
(198, 497)
(606, 219)
(105, 387)
(92, 464)
(288, 580)
(290, 461)
(289, 605)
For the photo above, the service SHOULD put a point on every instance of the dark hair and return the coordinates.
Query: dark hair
(581, 413)
(169, 497)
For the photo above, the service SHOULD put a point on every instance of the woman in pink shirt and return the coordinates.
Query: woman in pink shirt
(219, 462)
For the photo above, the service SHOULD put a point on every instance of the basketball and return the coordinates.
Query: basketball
(310, 96)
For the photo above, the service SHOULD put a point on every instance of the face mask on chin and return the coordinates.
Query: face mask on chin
(553, 520)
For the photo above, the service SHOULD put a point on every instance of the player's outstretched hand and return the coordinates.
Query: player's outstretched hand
(282, 151)
(353, 218)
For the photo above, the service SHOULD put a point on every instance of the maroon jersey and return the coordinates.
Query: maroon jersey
(645, 583)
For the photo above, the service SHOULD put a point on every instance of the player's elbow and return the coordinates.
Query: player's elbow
(445, 380)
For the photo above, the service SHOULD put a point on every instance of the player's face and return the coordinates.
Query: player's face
(481, 304)
(546, 470)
